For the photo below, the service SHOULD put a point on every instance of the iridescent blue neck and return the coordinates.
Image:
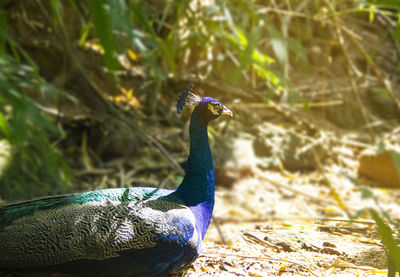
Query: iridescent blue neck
(198, 185)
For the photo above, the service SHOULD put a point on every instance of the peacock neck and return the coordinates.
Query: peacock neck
(198, 185)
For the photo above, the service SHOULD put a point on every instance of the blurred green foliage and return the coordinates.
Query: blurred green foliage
(31, 166)
(181, 38)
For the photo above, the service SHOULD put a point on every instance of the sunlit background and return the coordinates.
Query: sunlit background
(307, 171)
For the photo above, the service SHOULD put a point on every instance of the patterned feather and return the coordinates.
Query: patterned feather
(93, 226)
(117, 232)
(187, 98)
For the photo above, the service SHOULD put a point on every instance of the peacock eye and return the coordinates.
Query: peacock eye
(217, 106)
(214, 108)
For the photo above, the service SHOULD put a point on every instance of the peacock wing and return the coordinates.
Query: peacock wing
(100, 226)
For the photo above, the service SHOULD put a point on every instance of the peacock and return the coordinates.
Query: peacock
(122, 232)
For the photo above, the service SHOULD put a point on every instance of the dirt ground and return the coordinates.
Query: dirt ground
(280, 223)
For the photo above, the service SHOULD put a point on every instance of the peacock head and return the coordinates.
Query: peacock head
(208, 107)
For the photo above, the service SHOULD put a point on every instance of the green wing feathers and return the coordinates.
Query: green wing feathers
(12, 212)
(95, 225)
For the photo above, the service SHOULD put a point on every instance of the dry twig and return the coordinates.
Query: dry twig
(213, 255)
(250, 237)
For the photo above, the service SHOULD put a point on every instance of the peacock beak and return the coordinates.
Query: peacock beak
(227, 111)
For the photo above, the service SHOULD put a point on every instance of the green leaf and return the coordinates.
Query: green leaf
(261, 58)
(56, 7)
(229, 18)
(4, 127)
(241, 38)
(385, 3)
(268, 95)
(306, 106)
(387, 238)
(100, 13)
(371, 13)
(5, 156)
(294, 97)
(396, 34)
(278, 44)
(396, 162)
(141, 15)
(353, 180)
(381, 147)
(85, 33)
(366, 193)
(18, 50)
(266, 74)
(166, 11)
(297, 48)
(3, 27)
(279, 47)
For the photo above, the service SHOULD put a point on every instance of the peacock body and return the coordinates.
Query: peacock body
(118, 232)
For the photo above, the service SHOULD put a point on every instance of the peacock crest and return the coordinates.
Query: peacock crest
(187, 98)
